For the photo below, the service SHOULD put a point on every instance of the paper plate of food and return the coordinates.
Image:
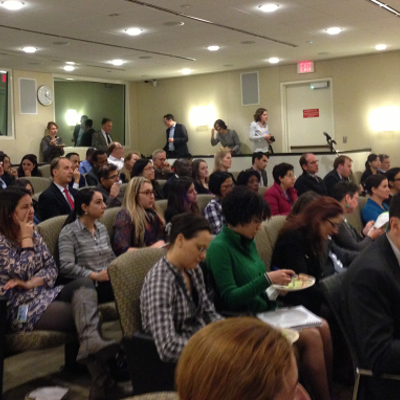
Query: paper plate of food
(299, 282)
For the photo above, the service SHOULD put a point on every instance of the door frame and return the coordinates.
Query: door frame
(284, 86)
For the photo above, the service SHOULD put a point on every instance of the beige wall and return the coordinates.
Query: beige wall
(360, 84)
(28, 129)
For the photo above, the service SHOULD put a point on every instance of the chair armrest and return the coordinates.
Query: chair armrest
(367, 372)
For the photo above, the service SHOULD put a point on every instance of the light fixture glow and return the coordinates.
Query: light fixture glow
(29, 49)
(70, 79)
(203, 115)
(273, 60)
(72, 117)
(69, 62)
(68, 68)
(12, 5)
(213, 48)
(268, 7)
(133, 31)
(3, 72)
(117, 62)
(380, 47)
(333, 31)
(186, 71)
(385, 119)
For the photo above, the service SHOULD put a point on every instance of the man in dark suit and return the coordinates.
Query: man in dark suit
(79, 129)
(180, 168)
(86, 139)
(260, 162)
(341, 172)
(99, 159)
(102, 138)
(177, 138)
(58, 199)
(370, 308)
(309, 179)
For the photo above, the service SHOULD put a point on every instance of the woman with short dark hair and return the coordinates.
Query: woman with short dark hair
(377, 187)
(282, 195)
(228, 137)
(28, 166)
(144, 167)
(249, 178)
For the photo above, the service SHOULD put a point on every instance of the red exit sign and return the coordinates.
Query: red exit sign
(305, 67)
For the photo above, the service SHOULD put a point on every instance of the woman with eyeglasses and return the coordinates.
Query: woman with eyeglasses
(243, 284)
(144, 167)
(227, 137)
(393, 177)
(182, 198)
(140, 223)
(282, 195)
(173, 303)
(346, 193)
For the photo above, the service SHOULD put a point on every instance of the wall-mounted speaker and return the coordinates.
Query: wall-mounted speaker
(27, 96)
(250, 88)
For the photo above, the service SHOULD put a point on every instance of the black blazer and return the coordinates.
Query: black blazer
(86, 140)
(167, 185)
(92, 178)
(370, 309)
(306, 183)
(330, 180)
(52, 203)
(180, 141)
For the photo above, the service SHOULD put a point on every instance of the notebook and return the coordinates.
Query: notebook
(292, 317)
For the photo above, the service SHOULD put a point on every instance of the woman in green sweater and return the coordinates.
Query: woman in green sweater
(243, 284)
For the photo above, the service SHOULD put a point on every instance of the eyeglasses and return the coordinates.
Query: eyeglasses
(149, 169)
(335, 225)
(398, 179)
(313, 162)
(148, 193)
(113, 177)
(226, 186)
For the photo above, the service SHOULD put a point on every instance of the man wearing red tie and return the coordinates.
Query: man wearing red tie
(58, 198)
(102, 138)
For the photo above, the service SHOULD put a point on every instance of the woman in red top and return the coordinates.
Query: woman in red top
(282, 194)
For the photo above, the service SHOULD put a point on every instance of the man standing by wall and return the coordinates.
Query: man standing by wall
(102, 139)
(177, 138)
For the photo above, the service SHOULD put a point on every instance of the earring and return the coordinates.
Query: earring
(347, 206)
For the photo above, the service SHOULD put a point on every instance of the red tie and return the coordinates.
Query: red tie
(69, 198)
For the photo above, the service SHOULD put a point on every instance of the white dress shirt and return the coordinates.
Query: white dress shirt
(118, 162)
(256, 133)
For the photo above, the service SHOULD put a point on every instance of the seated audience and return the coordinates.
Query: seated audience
(99, 159)
(162, 168)
(385, 163)
(261, 360)
(110, 186)
(249, 178)
(86, 165)
(115, 153)
(260, 162)
(309, 180)
(370, 299)
(129, 162)
(174, 304)
(182, 198)
(84, 245)
(144, 167)
(346, 193)
(301, 245)
(378, 189)
(372, 166)
(86, 140)
(10, 174)
(282, 195)
(140, 223)
(242, 282)
(51, 146)
(393, 177)
(341, 172)
(28, 166)
(25, 184)
(200, 176)
(227, 137)
(304, 200)
(3, 185)
(27, 278)
(58, 199)
(220, 185)
(78, 180)
(181, 167)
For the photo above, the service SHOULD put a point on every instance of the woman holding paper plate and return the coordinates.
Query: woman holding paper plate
(243, 284)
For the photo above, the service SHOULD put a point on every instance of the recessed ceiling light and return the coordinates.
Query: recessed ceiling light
(70, 79)
(117, 62)
(380, 47)
(173, 23)
(269, 7)
(333, 30)
(273, 60)
(213, 48)
(133, 31)
(12, 5)
(29, 49)
(68, 68)
(186, 71)
(69, 62)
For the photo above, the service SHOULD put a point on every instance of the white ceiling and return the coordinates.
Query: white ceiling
(94, 33)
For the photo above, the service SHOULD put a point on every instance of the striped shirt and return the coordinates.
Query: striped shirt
(82, 253)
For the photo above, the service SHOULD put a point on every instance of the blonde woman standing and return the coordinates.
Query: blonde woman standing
(140, 223)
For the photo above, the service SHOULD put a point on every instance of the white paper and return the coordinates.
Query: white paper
(381, 221)
(48, 393)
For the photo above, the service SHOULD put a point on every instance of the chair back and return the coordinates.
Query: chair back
(262, 190)
(162, 205)
(156, 396)
(127, 274)
(203, 200)
(355, 219)
(161, 182)
(38, 183)
(266, 238)
(50, 231)
(108, 220)
(45, 170)
(355, 177)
